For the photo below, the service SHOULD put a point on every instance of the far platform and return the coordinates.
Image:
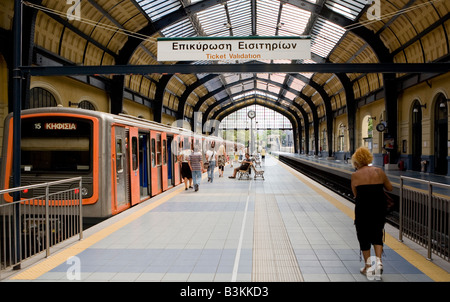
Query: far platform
(345, 169)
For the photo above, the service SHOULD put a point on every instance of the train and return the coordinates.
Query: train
(123, 160)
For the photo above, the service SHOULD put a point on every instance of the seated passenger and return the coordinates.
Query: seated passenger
(244, 165)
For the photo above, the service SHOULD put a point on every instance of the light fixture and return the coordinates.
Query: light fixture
(416, 108)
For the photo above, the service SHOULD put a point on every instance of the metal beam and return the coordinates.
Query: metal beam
(238, 68)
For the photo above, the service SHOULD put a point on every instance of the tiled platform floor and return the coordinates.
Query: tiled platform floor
(283, 228)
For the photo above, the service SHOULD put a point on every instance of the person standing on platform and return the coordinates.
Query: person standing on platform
(368, 184)
(221, 159)
(196, 164)
(186, 172)
(263, 154)
(211, 157)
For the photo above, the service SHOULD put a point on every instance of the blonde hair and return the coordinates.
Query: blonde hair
(362, 157)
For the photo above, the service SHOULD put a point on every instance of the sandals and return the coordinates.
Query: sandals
(372, 272)
(378, 269)
(368, 270)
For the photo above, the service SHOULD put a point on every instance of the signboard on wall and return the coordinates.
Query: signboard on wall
(233, 48)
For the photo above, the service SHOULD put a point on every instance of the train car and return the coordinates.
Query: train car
(123, 160)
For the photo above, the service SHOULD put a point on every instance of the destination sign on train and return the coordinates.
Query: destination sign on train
(233, 48)
(60, 126)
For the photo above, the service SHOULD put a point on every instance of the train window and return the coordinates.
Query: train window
(134, 151)
(119, 155)
(164, 152)
(153, 153)
(158, 149)
(175, 150)
(56, 144)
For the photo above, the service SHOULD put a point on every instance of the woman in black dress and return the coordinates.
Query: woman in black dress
(186, 172)
(368, 184)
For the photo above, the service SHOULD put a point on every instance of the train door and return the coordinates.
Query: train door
(144, 165)
(176, 165)
(156, 169)
(120, 167)
(170, 163)
(133, 150)
(164, 166)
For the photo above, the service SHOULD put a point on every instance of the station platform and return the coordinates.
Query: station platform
(286, 228)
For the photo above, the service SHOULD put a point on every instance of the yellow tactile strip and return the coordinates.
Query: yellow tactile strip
(58, 258)
(420, 262)
(273, 256)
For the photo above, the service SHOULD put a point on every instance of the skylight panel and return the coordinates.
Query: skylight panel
(267, 16)
(214, 20)
(261, 85)
(349, 9)
(230, 78)
(273, 88)
(181, 29)
(263, 75)
(325, 35)
(156, 9)
(290, 95)
(213, 84)
(297, 84)
(240, 16)
(293, 21)
(279, 78)
(221, 95)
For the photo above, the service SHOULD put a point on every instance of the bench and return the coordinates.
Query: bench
(257, 162)
(258, 173)
(244, 173)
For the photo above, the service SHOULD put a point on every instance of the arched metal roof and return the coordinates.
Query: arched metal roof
(118, 32)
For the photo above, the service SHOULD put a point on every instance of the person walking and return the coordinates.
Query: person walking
(211, 158)
(196, 164)
(186, 172)
(368, 184)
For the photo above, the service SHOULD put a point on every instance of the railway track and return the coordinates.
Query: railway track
(336, 183)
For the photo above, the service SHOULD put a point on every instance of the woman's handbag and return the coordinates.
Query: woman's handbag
(206, 165)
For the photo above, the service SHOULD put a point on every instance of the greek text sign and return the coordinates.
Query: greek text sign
(234, 48)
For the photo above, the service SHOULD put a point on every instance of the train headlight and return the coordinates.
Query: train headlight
(84, 191)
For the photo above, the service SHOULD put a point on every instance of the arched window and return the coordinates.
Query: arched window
(367, 131)
(341, 137)
(86, 105)
(416, 137)
(40, 97)
(441, 135)
(324, 139)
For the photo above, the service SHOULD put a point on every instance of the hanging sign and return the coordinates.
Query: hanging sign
(234, 48)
